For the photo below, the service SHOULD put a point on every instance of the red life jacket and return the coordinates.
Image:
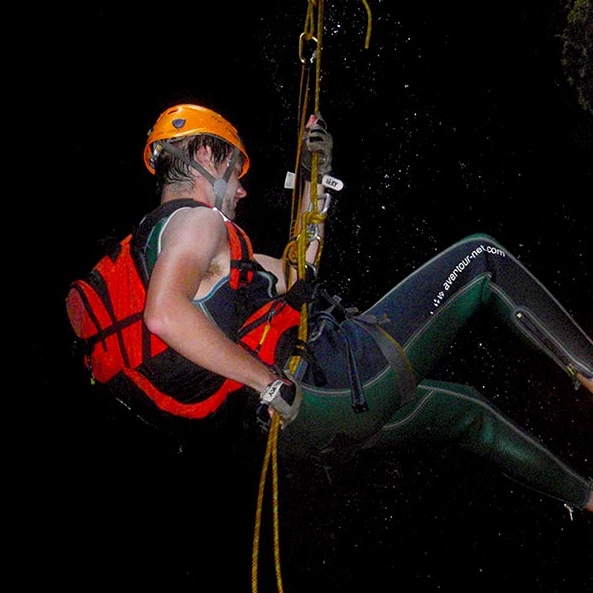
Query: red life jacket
(106, 309)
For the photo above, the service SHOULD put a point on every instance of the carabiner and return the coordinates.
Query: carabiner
(307, 37)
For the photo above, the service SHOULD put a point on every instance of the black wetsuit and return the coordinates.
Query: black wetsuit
(425, 313)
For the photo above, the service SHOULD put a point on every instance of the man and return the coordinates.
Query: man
(197, 155)
(365, 383)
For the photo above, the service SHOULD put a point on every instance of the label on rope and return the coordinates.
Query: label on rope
(327, 181)
(289, 180)
(332, 183)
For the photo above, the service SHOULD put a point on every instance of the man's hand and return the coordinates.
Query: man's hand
(317, 140)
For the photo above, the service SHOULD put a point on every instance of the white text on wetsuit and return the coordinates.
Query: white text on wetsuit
(460, 267)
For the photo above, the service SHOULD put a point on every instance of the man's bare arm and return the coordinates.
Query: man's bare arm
(189, 248)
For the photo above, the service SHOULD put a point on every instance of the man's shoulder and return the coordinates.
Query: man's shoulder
(187, 209)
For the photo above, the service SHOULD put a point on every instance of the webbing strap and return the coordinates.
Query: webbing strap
(393, 353)
(219, 184)
(358, 398)
(167, 403)
(189, 162)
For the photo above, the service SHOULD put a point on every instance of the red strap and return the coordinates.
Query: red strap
(168, 404)
(241, 256)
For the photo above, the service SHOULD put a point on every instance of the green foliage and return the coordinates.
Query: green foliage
(577, 51)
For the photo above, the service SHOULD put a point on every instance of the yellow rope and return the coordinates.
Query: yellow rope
(367, 39)
(258, 511)
(295, 256)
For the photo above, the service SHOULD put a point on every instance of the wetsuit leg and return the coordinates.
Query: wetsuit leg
(446, 413)
(426, 311)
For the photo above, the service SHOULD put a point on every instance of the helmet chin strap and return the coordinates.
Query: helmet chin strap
(218, 184)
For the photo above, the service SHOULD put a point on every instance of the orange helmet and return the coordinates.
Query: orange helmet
(191, 120)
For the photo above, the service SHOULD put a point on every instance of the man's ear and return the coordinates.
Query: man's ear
(204, 155)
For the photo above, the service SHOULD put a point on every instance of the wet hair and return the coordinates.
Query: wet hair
(171, 170)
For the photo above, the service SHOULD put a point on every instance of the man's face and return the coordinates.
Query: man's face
(234, 189)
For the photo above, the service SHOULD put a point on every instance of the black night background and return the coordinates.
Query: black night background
(458, 118)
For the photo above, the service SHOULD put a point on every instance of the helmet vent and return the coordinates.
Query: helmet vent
(178, 123)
